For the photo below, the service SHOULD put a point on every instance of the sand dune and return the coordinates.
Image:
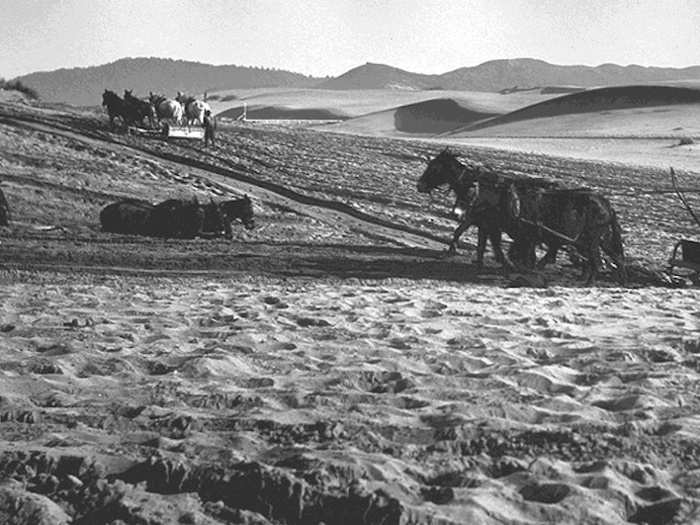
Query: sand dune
(361, 102)
(660, 122)
(596, 100)
(630, 111)
(284, 113)
(429, 117)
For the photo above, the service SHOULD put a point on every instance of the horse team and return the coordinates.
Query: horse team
(176, 218)
(531, 212)
(131, 110)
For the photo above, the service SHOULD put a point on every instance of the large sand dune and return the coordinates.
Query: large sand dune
(632, 124)
(358, 103)
(598, 100)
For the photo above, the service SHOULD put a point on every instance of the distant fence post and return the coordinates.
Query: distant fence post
(244, 115)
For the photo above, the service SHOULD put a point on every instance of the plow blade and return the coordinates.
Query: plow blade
(183, 132)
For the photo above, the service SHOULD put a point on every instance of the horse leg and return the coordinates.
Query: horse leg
(593, 258)
(452, 249)
(228, 232)
(522, 252)
(495, 236)
(480, 247)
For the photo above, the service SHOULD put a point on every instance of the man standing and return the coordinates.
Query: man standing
(209, 128)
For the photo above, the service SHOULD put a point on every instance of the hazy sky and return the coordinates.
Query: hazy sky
(328, 37)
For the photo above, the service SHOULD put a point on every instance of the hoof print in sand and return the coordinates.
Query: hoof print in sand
(545, 492)
(658, 513)
(54, 349)
(384, 382)
(438, 495)
(310, 321)
(45, 368)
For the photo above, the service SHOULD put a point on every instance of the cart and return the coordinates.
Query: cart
(688, 259)
(183, 132)
(168, 131)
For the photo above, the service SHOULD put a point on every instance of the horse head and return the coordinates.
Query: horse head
(154, 98)
(247, 216)
(109, 97)
(445, 168)
(240, 209)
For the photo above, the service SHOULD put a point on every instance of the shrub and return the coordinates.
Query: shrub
(16, 85)
(229, 97)
(686, 141)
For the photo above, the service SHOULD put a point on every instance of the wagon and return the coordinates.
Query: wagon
(183, 132)
(168, 131)
(689, 258)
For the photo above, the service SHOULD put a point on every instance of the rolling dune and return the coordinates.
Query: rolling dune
(597, 100)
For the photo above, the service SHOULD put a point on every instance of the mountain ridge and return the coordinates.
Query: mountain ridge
(84, 85)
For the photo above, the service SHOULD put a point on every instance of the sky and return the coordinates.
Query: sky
(329, 37)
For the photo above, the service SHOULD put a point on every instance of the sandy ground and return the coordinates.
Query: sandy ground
(467, 405)
(331, 366)
(658, 153)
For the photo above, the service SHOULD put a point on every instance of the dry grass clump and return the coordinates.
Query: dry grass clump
(16, 85)
(686, 141)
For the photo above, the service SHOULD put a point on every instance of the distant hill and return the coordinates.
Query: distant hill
(84, 86)
(508, 75)
(380, 76)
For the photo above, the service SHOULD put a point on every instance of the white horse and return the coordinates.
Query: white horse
(194, 109)
(167, 109)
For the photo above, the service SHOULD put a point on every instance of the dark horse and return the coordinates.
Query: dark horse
(117, 107)
(241, 209)
(129, 216)
(176, 218)
(446, 170)
(530, 215)
(581, 218)
(140, 108)
(4, 211)
(181, 219)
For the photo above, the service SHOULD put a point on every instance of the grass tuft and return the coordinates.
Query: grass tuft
(16, 85)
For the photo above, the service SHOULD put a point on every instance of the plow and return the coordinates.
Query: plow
(169, 131)
(686, 252)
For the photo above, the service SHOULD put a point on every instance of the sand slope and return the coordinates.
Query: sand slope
(360, 102)
(597, 100)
